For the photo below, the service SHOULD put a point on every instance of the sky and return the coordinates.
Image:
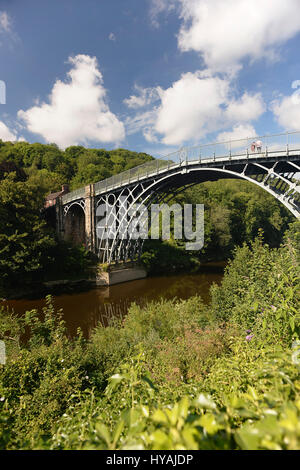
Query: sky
(148, 75)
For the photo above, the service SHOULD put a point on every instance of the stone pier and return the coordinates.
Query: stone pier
(90, 218)
(118, 276)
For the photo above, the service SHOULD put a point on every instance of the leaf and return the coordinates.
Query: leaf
(149, 382)
(117, 432)
(104, 433)
(292, 324)
(208, 422)
(131, 417)
(204, 401)
(248, 438)
(114, 380)
(160, 417)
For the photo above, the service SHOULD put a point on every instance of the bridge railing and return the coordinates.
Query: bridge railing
(276, 143)
(76, 194)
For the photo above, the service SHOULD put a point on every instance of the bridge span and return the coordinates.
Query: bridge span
(274, 167)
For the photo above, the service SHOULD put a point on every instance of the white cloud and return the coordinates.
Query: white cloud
(241, 131)
(6, 134)
(226, 32)
(5, 22)
(112, 37)
(149, 134)
(247, 108)
(196, 105)
(144, 97)
(77, 112)
(287, 111)
(141, 121)
(191, 107)
(159, 6)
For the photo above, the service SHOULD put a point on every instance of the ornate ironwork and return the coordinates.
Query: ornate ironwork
(274, 168)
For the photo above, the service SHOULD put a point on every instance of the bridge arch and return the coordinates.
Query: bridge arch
(74, 224)
(160, 189)
(274, 168)
(170, 182)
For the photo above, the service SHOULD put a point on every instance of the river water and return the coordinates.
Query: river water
(87, 309)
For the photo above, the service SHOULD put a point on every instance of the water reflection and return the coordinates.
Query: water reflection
(87, 309)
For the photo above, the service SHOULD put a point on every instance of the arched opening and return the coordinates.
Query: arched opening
(74, 225)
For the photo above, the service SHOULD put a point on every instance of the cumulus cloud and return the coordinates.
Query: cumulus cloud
(6, 134)
(226, 32)
(287, 111)
(191, 107)
(247, 108)
(196, 105)
(240, 131)
(77, 112)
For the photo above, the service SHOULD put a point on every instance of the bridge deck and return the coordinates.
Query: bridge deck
(161, 166)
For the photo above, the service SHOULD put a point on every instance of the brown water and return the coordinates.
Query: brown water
(87, 309)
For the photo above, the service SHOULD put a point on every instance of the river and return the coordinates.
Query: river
(87, 309)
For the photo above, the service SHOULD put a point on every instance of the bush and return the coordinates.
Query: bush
(171, 375)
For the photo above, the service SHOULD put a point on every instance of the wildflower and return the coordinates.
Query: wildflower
(249, 337)
(248, 331)
(273, 308)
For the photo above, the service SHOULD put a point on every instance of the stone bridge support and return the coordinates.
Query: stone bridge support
(63, 213)
(90, 218)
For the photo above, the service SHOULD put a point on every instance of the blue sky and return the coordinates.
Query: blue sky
(148, 75)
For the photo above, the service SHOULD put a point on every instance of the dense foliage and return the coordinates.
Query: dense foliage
(234, 213)
(29, 249)
(48, 167)
(172, 375)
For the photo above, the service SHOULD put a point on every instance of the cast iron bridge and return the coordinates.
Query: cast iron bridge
(275, 167)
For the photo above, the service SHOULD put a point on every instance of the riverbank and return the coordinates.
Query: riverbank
(172, 374)
(86, 308)
(38, 290)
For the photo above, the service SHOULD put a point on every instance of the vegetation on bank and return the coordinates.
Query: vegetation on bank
(234, 212)
(29, 249)
(172, 375)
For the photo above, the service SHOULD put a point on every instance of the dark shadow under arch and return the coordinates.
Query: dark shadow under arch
(74, 225)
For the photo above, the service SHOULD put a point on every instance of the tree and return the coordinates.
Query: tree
(24, 236)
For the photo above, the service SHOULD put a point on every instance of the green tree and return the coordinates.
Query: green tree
(24, 237)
